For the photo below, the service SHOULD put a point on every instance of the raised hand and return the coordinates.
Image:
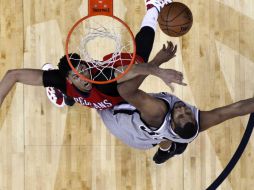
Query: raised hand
(170, 76)
(166, 53)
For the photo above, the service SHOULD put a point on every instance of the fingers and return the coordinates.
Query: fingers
(170, 76)
(177, 74)
(184, 84)
(179, 78)
(175, 49)
(170, 85)
(164, 47)
(170, 45)
(180, 73)
(171, 48)
(180, 81)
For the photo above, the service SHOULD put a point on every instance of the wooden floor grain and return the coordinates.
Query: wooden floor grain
(47, 148)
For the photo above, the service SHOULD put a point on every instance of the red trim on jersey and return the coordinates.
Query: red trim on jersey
(97, 99)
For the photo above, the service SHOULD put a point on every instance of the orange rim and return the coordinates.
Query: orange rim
(87, 79)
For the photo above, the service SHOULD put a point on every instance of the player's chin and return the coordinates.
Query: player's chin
(87, 86)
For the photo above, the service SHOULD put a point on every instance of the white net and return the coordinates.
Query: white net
(97, 37)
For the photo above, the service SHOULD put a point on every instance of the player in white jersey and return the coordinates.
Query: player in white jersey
(151, 119)
(125, 122)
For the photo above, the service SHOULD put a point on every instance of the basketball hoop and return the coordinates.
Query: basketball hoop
(113, 46)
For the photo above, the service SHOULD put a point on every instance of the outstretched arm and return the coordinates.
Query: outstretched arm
(24, 76)
(152, 109)
(167, 75)
(140, 71)
(219, 115)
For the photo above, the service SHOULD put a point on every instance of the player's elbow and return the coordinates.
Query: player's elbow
(12, 74)
(242, 108)
(124, 90)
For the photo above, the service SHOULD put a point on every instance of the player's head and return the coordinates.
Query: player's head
(67, 72)
(184, 123)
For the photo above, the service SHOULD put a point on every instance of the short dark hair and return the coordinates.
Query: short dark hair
(64, 66)
(187, 131)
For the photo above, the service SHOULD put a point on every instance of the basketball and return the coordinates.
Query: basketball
(175, 19)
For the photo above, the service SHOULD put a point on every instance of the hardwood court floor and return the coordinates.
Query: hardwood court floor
(44, 147)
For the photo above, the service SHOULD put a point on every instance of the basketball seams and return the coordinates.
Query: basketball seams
(169, 10)
(181, 22)
(177, 15)
(176, 25)
(170, 30)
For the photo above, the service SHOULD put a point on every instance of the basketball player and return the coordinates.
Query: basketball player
(61, 92)
(67, 84)
(164, 119)
(38, 77)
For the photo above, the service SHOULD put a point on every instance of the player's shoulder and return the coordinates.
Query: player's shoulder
(53, 78)
(55, 73)
(170, 98)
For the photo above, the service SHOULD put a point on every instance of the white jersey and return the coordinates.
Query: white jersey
(124, 121)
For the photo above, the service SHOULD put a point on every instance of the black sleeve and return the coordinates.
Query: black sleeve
(144, 42)
(53, 78)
